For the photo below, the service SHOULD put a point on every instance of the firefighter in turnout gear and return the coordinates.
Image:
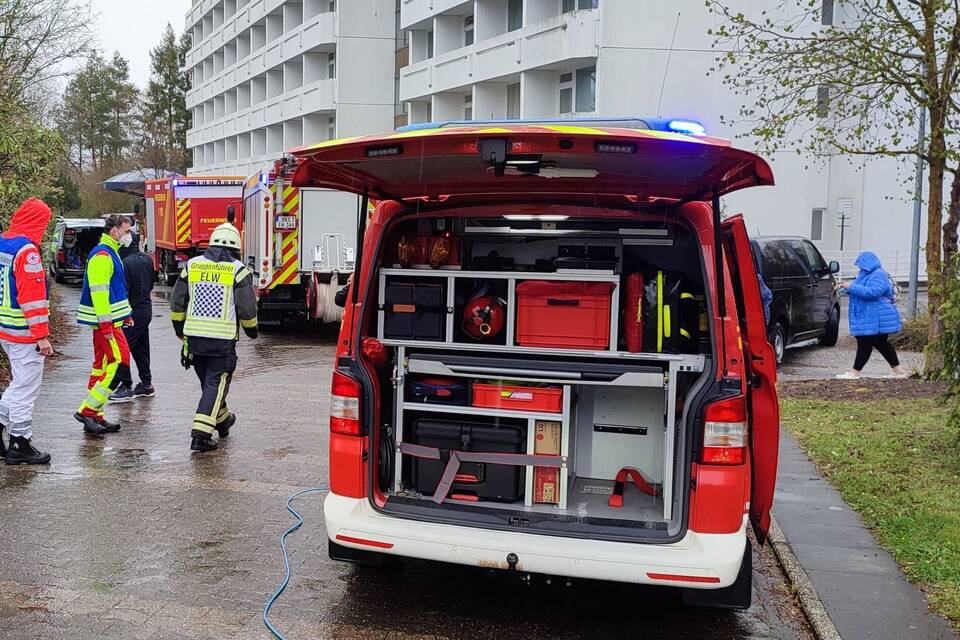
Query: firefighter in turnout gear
(105, 309)
(211, 301)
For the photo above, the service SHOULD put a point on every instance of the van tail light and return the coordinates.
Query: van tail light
(345, 405)
(61, 255)
(725, 432)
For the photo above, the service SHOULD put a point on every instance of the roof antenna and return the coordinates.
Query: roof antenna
(667, 68)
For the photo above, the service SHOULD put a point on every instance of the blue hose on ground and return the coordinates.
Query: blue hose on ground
(286, 559)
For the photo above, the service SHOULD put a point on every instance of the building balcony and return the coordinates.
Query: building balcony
(311, 98)
(318, 33)
(549, 43)
(414, 12)
(233, 26)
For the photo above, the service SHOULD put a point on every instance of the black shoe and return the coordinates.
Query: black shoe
(223, 429)
(144, 391)
(3, 449)
(22, 451)
(202, 443)
(122, 394)
(108, 427)
(90, 425)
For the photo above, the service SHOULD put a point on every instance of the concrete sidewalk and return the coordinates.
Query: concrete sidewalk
(861, 586)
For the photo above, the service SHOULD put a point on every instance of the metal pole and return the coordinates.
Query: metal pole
(917, 208)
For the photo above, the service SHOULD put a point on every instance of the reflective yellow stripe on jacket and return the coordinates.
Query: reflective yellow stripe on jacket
(211, 312)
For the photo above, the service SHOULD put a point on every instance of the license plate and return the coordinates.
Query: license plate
(285, 223)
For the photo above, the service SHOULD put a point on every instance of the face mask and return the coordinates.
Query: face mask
(126, 240)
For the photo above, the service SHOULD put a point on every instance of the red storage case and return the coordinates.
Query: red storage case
(568, 315)
(502, 396)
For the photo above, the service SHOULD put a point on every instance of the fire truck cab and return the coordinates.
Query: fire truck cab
(181, 213)
(553, 358)
(299, 243)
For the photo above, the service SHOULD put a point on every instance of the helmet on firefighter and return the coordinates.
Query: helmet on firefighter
(226, 235)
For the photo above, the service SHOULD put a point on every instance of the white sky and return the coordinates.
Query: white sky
(133, 27)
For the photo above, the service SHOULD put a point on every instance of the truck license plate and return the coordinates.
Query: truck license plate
(285, 223)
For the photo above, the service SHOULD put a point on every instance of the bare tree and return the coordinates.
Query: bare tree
(37, 40)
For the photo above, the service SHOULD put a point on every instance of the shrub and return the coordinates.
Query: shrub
(913, 336)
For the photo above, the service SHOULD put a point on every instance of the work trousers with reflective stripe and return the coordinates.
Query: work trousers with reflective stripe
(16, 405)
(111, 362)
(215, 374)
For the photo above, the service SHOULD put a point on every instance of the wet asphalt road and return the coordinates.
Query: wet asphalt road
(133, 537)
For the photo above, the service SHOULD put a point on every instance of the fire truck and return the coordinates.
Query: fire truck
(299, 243)
(181, 213)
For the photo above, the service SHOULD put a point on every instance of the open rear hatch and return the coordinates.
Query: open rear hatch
(562, 162)
(463, 413)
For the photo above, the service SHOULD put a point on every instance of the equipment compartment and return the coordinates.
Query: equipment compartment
(474, 480)
(568, 315)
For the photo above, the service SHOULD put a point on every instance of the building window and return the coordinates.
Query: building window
(573, 5)
(566, 92)
(826, 13)
(586, 89)
(429, 112)
(468, 31)
(468, 107)
(332, 6)
(429, 44)
(513, 100)
(331, 127)
(816, 224)
(823, 102)
(332, 65)
(514, 15)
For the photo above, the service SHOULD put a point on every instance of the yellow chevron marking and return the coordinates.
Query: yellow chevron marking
(289, 241)
(285, 276)
(293, 205)
(419, 133)
(563, 128)
(287, 191)
(330, 143)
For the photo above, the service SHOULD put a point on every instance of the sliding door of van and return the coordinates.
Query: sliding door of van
(761, 367)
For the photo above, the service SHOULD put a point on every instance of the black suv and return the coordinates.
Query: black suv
(805, 302)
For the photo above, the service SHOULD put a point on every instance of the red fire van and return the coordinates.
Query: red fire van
(553, 358)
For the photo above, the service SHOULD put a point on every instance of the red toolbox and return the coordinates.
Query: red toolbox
(502, 396)
(571, 315)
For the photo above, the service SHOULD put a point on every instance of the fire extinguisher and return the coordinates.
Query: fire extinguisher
(484, 315)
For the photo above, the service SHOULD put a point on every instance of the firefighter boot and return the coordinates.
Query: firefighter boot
(201, 442)
(108, 427)
(22, 451)
(223, 429)
(3, 449)
(90, 425)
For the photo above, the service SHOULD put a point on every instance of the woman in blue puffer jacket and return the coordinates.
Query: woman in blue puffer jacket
(872, 315)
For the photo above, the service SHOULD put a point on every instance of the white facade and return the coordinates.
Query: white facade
(482, 59)
(269, 75)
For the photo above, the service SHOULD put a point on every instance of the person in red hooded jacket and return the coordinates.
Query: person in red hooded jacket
(24, 327)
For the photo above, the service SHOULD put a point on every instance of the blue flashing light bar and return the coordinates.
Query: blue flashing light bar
(685, 126)
(690, 127)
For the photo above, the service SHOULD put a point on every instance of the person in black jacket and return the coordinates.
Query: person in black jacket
(138, 268)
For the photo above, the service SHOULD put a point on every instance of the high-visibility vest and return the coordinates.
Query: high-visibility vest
(12, 320)
(211, 312)
(119, 305)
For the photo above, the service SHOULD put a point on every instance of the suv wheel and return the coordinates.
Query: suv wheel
(778, 339)
(831, 329)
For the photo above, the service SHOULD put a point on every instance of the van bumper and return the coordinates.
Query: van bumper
(699, 561)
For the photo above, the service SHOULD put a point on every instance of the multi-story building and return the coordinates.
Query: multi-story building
(491, 59)
(268, 75)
